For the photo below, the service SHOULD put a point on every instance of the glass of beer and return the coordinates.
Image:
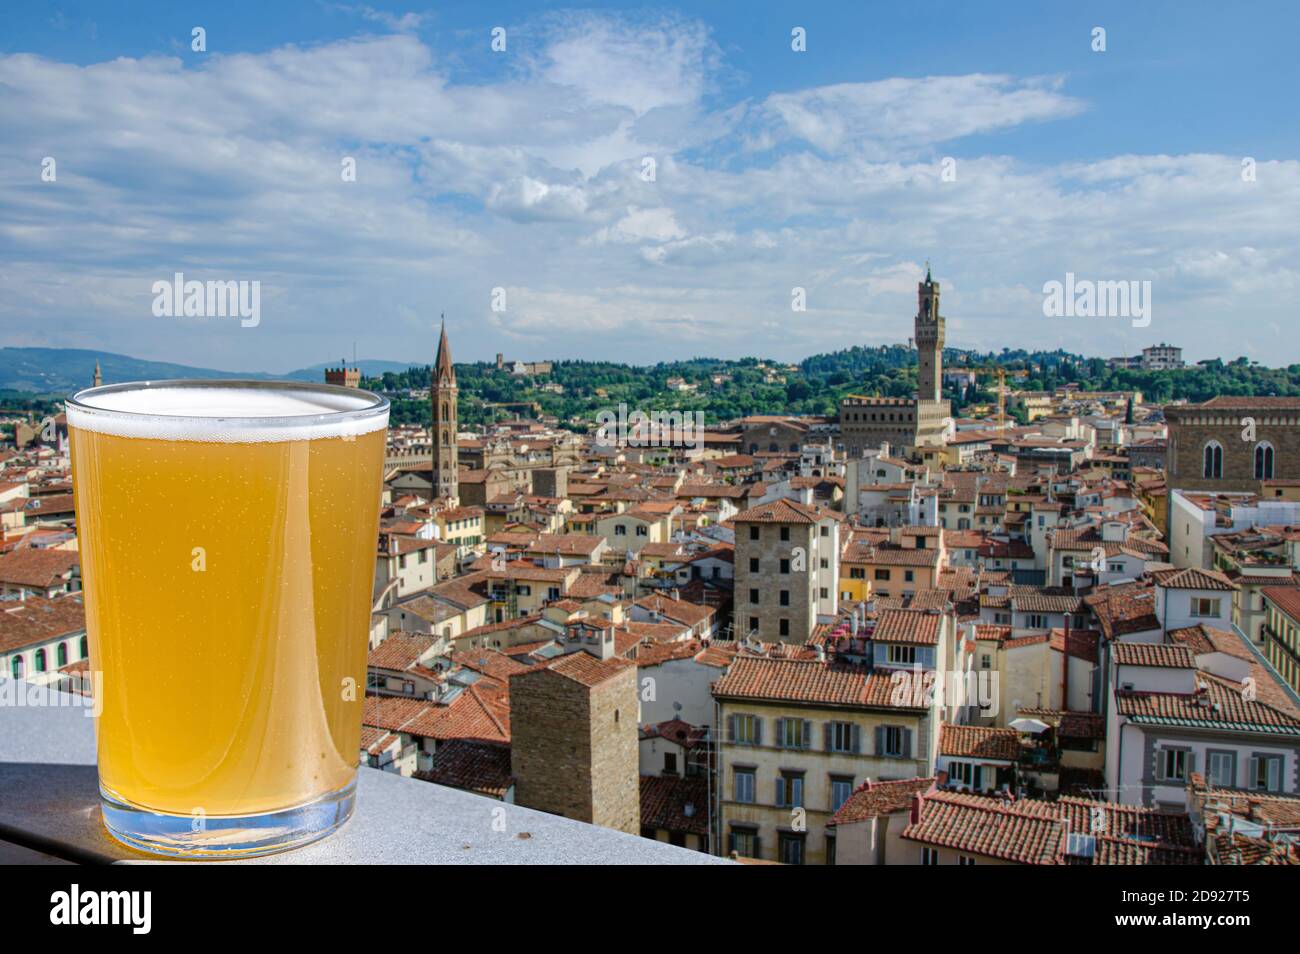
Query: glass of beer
(228, 533)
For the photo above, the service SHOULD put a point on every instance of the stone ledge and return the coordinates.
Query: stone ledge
(49, 804)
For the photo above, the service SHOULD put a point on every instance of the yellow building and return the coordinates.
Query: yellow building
(632, 529)
(462, 527)
(1152, 496)
(797, 737)
(892, 569)
(1280, 489)
(1282, 631)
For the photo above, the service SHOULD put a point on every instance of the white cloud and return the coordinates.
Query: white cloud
(529, 199)
(230, 167)
(396, 22)
(893, 115)
(639, 225)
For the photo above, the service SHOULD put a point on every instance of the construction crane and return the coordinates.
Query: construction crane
(1001, 372)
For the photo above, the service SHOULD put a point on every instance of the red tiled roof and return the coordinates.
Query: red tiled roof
(481, 712)
(683, 611)
(501, 627)
(915, 626)
(675, 804)
(872, 799)
(995, 632)
(1082, 643)
(399, 651)
(473, 766)
(581, 667)
(1154, 655)
(809, 681)
(489, 662)
(37, 619)
(989, 827)
(1275, 814)
(41, 568)
(780, 510)
(1036, 832)
(984, 742)
(656, 654)
(391, 712)
(1221, 702)
(1192, 578)
(886, 555)
(1032, 599)
(1285, 598)
(1124, 610)
(1237, 402)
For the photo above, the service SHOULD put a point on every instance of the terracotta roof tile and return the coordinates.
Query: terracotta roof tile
(675, 804)
(579, 666)
(807, 681)
(973, 741)
(1037, 832)
(399, 651)
(480, 767)
(915, 626)
(1154, 655)
(41, 568)
(872, 799)
(781, 510)
(1192, 578)
(37, 619)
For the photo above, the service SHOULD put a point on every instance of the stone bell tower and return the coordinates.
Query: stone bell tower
(442, 395)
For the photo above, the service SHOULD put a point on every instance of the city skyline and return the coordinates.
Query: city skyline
(774, 170)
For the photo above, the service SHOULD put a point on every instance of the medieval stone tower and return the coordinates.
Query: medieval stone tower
(929, 340)
(442, 395)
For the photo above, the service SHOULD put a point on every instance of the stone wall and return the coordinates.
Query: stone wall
(615, 753)
(770, 549)
(574, 747)
(1192, 426)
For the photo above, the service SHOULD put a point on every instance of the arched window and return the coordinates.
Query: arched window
(1212, 461)
(85, 648)
(1263, 461)
(40, 660)
(16, 667)
(63, 654)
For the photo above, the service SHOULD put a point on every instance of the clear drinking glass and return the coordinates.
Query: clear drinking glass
(227, 533)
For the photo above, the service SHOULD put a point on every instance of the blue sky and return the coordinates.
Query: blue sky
(521, 171)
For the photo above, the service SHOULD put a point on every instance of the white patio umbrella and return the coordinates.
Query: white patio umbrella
(1032, 726)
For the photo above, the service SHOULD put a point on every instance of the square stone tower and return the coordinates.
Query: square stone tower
(929, 341)
(574, 744)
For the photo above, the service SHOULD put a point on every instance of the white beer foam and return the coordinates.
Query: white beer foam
(224, 415)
